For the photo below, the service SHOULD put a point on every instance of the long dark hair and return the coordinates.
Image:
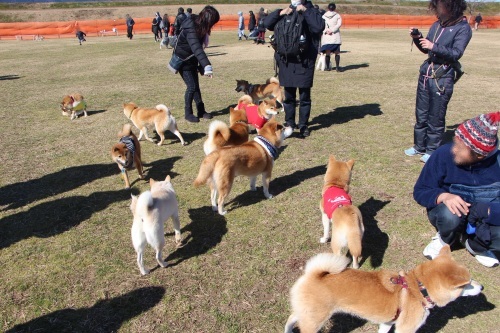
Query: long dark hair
(456, 8)
(204, 21)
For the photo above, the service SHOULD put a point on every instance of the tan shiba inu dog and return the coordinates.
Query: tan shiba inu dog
(251, 159)
(219, 134)
(151, 209)
(337, 209)
(73, 105)
(383, 297)
(160, 117)
(127, 153)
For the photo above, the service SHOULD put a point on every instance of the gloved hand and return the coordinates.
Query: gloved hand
(208, 71)
(478, 212)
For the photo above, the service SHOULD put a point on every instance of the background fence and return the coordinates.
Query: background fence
(30, 30)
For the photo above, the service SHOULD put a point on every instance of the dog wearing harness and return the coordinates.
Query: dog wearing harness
(127, 154)
(337, 210)
(74, 106)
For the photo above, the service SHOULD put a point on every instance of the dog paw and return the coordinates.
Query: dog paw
(223, 212)
(253, 189)
(215, 209)
(324, 240)
(163, 264)
(185, 143)
(269, 196)
(159, 143)
(144, 271)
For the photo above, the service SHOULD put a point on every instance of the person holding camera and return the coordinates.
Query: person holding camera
(297, 71)
(192, 39)
(444, 45)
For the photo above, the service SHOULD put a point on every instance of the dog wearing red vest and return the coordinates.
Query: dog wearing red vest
(337, 209)
(259, 114)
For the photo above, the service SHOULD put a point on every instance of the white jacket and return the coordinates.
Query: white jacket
(333, 22)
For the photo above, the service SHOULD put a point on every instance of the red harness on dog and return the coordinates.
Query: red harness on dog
(333, 198)
(252, 111)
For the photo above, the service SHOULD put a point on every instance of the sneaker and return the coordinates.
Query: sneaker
(431, 251)
(192, 118)
(205, 115)
(424, 158)
(288, 131)
(486, 258)
(412, 152)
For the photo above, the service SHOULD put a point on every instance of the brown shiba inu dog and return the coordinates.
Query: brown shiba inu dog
(219, 134)
(127, 153)
(151, 209)
(260, 91)
(336, 208)
(258, 115)
(383, 297)
(74, 106)
(251, 159)
(160, 116)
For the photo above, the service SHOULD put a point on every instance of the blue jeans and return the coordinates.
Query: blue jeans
(449, 225)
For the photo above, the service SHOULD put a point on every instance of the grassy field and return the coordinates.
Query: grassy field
(65, 251)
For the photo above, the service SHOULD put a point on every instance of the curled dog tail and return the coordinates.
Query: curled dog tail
(144, 204)
(218, 135)
(326, 263)
(126, 130)
(273, 80)
(164, 108)
(206, 168)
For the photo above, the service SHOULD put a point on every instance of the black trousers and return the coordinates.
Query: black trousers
(289, 104)
(192, 93)
(430, 112)
(129, 32)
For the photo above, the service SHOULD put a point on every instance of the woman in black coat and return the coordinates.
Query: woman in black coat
(298, 72)
(192, 40)
(154, 29)
(251, 22)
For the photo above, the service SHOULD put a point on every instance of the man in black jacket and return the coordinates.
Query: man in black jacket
(181, 16)
(298, 72)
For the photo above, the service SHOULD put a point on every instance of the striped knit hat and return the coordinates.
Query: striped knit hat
(480, 133)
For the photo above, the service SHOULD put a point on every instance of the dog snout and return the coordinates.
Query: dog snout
(238, 89)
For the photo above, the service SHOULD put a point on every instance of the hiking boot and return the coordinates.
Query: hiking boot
(431, 251)
(486, 258)
(192, 118)
(412, 152)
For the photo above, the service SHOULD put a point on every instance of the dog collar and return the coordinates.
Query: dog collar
(250, 88)
(400, 280)
(268, 146)
(430, 303)
(130, 115)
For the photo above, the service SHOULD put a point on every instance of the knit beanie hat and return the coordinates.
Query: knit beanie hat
(480, 133)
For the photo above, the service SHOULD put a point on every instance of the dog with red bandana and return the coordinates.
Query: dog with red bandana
(337, 208)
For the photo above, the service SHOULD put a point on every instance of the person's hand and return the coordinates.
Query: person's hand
(412, 35)
(328, 32)
(301, 8)
(208, 71)
(286, 11)
(455, 203)
(426, 44)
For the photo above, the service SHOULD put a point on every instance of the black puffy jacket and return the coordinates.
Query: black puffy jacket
(295, 72)
(188, 44)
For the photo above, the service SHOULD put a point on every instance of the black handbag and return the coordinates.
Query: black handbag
(175, 63)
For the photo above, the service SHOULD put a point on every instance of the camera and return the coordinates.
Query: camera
(415, 31)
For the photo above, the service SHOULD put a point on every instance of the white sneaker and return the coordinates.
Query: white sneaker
(486, 258)
(431, 251)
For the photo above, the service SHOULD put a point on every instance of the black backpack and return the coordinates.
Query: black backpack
(287, 36)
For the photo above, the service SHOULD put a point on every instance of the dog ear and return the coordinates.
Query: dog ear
(151, 181)
(332, 158)
(167, 179)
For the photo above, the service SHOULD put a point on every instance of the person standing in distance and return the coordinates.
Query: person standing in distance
(331, 40)
(130, 26)
(444, 45)
(298, 72)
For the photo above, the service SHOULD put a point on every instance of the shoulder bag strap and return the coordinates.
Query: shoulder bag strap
(175, 47)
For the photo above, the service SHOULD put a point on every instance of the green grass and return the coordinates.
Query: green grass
(65, 246)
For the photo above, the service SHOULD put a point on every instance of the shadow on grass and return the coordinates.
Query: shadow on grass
(171, 139)
(449, 134)
(160, 169)
(460, 308)
(20, 194)
(215, 54)
(344, 114)
(9, 77)
(105, 316)
(205, 231)
(93, 112)
(223, 111)
(343, 323)
(375, 242)
(352, 67)
(55, 217)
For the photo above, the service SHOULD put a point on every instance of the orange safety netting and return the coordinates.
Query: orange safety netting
(227, 22)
